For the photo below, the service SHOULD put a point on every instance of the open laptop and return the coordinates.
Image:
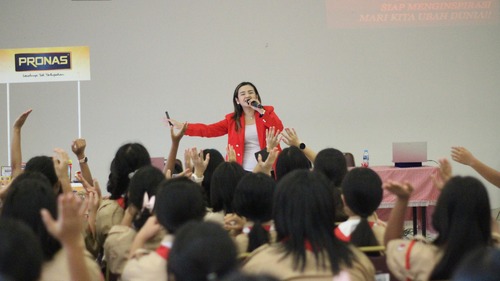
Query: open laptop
(409, 154)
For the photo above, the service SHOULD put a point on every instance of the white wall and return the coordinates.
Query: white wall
(350, 88)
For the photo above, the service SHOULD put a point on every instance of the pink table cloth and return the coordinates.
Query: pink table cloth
(424, 194)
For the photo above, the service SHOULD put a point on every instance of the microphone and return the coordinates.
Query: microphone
(255, 103)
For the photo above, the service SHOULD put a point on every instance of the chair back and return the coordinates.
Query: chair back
(349, 159)
(376, 254)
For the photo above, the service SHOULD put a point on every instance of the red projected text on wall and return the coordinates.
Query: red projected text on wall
(387, 13)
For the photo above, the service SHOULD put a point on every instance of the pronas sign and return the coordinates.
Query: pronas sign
(43, 61)
(44, 64)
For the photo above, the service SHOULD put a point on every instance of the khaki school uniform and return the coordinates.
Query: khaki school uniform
(117, 246)
(148, 265)
(423, 258)
(108, 214)
(57, 269)
(271, 259)
(241, 240)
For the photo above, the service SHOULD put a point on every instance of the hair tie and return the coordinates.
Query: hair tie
(148, 203)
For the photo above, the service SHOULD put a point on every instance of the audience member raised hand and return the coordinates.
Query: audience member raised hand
(444, 174)
(291, 138)
(231, 153)
(67, 229)
(148, 231)
(16, 151)
(273, 138)
(78, 147)
(266, 166)
(200, 164)
(61, 162)
(464, 156)
(403, 192)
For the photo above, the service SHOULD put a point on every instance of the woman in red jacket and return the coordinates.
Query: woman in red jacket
(246, 127)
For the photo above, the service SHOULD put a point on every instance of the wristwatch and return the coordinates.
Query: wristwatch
(302, 145)
(83, 160)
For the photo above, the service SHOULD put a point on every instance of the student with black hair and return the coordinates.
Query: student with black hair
(202, 251)
(20, 249)
(361, 193)
(462, 220)
(331, 162)
(29, 193)
(253, 200)
(128, 158)
(178, 201)
(303, 212)
(142, 191)
(223, 184)
(291, 158)
(215, 159)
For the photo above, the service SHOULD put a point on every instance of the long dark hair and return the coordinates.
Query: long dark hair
(253, 199)
(362, 190)
(178, 201)
(128, 158)
(238, 110)
(463, 221)
(304, 214)
(44, 165)
(215, 159)
(202, 250)
(144, 181)
(291, 158)
(21, 254)
(28, 194)
(331, 162)
(224, 181)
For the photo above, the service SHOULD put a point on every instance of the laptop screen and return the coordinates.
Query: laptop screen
(409, 152)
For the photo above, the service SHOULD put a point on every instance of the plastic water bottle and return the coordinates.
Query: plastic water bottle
(366, 159)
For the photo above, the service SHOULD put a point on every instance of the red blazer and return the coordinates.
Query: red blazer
(237, 138)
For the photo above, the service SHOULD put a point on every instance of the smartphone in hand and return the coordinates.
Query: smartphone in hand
(168, 117)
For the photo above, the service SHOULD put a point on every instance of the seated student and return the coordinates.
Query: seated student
(253, 200)
(304, 219)
(29, 193)
(67, 229)
(142, 191)
(291, 158)
(464, 156)
(362, 194)
(202, 251)
(128, 158)
(461, 219)
(178, 201)
(20, 250)
(331, 162)
(191, 156)
(223, 184)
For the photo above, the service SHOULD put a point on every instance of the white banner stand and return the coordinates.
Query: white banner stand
(52, 64)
